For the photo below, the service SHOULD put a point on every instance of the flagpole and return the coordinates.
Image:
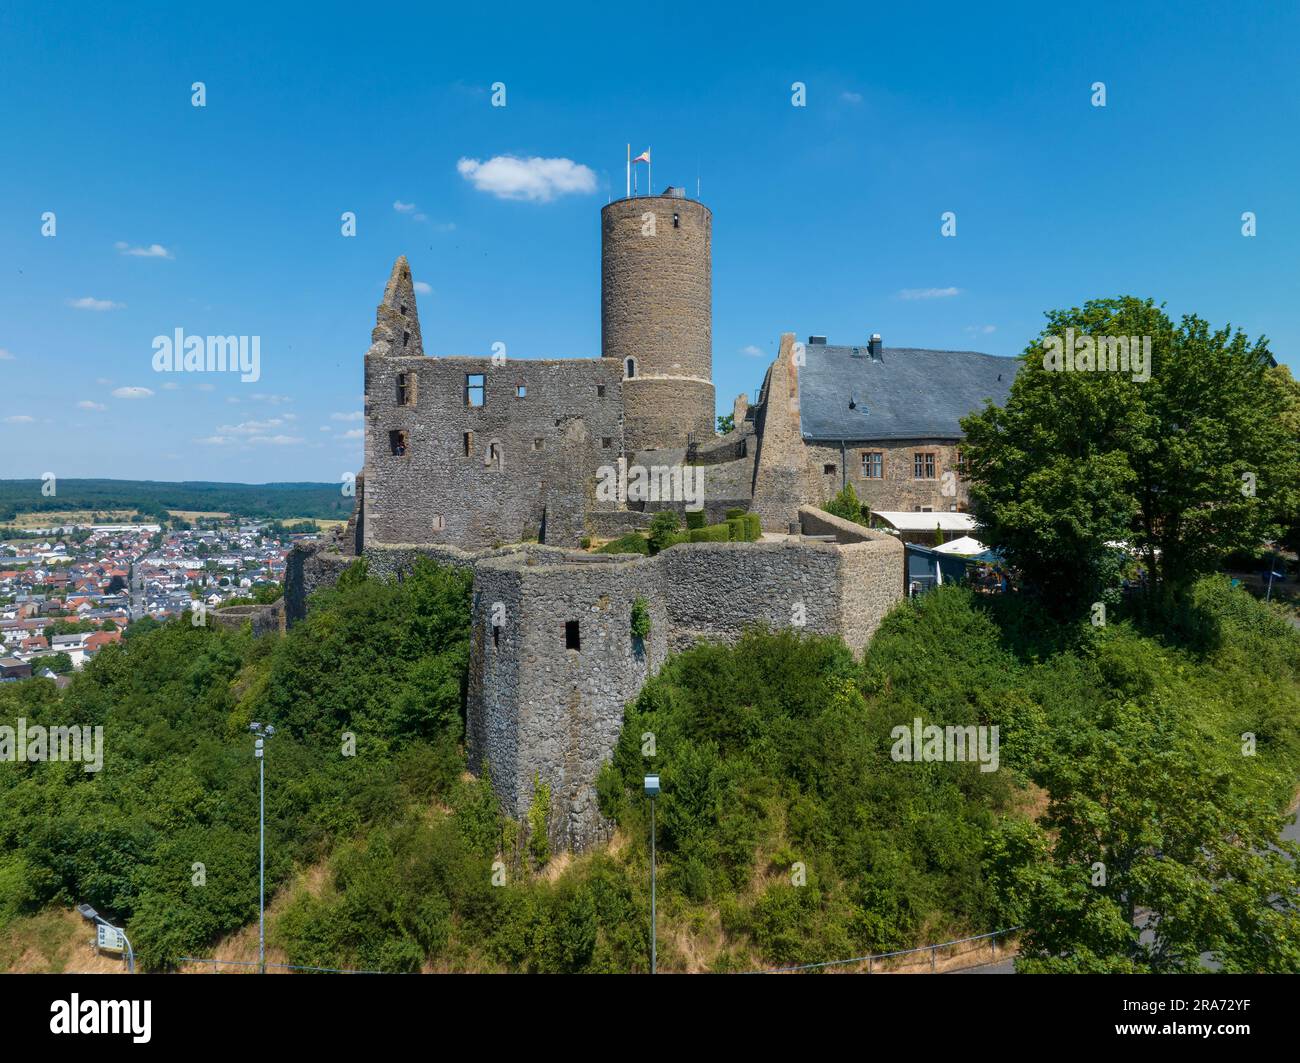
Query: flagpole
(650, 171)
(629, 171)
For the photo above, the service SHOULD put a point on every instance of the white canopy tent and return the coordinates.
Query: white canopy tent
(911, 521)
(964, 547)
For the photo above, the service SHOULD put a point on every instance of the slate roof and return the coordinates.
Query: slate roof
(909, 394)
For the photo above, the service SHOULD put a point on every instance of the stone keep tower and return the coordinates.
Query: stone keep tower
(656, 315)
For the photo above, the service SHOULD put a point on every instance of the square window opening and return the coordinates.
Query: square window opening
(572, 636)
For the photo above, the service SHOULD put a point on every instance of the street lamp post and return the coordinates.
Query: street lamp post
(91, 916)
(262, 732)
(652, 791)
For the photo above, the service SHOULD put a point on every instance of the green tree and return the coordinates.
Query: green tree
(846, 505)
(1158, 859)
(726, 423)
(1187, 465)
(663, 527)
(58, 663)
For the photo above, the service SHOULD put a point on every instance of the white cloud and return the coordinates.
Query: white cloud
(132, 393)
(275, 441)
(983, 330)
(205, 386)
(353, 433)
(403, 208)
(6, 356)
(326, 428)
(928, 293)
(86, 404)
(213, 441)
(751, 351)
(355, 415)
(251, 428)
(538, 180)
(171, 385)
(152, 251)
(103, 381)
(422, 288)
(851, 97)
(19, 418)
(88, 302)
(274, 400)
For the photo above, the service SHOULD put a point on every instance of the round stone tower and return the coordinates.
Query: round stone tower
(656, 315)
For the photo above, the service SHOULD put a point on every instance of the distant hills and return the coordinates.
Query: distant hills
(154, 497)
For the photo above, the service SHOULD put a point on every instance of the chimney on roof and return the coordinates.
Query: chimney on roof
(876, 347)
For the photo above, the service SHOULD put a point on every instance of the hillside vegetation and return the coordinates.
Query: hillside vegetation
(154, 498)
(786, 832)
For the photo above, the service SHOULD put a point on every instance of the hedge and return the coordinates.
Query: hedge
(714, 533)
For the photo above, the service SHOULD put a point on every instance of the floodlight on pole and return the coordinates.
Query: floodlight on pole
(262, 731)
(652, 791)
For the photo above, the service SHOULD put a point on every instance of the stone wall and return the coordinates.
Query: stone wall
(540, 710)
(663, 411)
(537, 708)
(264, 619)
(519, 466)
(897, 489)
(782, 477)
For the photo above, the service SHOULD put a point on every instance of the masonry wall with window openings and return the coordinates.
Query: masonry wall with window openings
(546, 417)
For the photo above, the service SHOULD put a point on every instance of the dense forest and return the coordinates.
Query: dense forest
(787, 832)
(155, 498)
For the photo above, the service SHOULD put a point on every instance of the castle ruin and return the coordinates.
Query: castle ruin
(497, 465)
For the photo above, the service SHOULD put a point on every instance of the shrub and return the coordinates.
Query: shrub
(539, 810)
(732, 514)
(695, 519)
(632, 543)
(736, 529)
(846, 505)
(640, 618)
(663, 526)
(753, 528)
(714, 533)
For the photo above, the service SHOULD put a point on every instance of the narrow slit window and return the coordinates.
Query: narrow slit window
(630, 367)
(439, 522)
(406, 338)
(538, 443)
(600, 391)
(406, 389)
(469, 443)
(521, 391)
(572, 636)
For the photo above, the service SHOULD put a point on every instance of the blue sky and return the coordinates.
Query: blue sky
(826, 217)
